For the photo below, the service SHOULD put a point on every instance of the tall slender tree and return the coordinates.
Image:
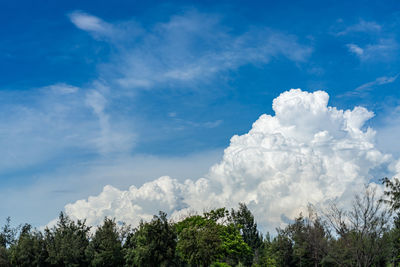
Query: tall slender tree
(105, 248)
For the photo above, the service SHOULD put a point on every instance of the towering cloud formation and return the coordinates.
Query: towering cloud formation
(306, 153)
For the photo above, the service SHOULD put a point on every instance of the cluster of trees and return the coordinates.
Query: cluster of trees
(218, 238)
(367, 234)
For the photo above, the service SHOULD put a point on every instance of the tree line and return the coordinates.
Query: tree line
(366, 234)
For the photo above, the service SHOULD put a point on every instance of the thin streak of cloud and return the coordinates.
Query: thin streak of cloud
(363, 27)
(183, 124)
(364, 89)
(62, 88)
(378, 81)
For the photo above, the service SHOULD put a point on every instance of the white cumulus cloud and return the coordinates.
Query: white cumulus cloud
(307, 152)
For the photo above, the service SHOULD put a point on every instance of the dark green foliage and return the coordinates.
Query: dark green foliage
(220, 215)
(283, 249)
(211, 238)
(266, 255)
(309, 241)
(29, 250)
(392, 199)
(394, 239)
(220, 264)
(8, 234)
(7, 239)
(191, 221)
(4, 258)
(66, 242)
(105, 248)
(152, 243)
(393, 193)
(244, 219)
(199, 242)
(302, 243)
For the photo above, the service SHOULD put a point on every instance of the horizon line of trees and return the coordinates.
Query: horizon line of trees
(366, 234)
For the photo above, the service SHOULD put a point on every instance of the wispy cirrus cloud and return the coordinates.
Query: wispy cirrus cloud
(62, 88)
(378, 46)
(187, 49)
(366, 88)
(57, 121)
(384, 49)
(182, 124)
(363, 27)
(91, 23)
(378, 81)
(37, 127)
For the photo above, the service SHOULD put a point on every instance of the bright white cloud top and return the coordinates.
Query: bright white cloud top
(308, 152)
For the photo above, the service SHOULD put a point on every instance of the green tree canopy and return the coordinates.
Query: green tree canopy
(105, 248)
(212, 237)
(29, 249)
(66, 242)
(152, 244)
(244, 219)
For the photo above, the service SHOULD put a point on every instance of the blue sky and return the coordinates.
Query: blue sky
(99, 92)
